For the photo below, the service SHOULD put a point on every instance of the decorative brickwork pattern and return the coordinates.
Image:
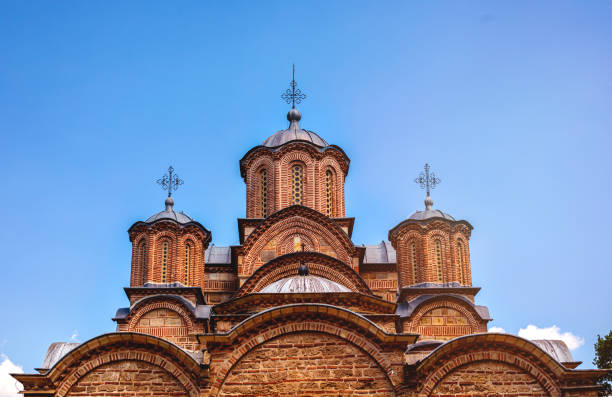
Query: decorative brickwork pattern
(444, 319)
(278, 232)
(166, 252)
(306, 364)
(128, 378)
(280, 168)
(433, 251)
(167, 319)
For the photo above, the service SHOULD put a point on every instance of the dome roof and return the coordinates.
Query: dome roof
(422, 215)
(294, 133)
(169, 214)
(429, 212)
(302, 284)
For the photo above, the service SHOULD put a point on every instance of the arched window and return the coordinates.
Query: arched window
(439, 260)
(164, 261)
(187, 262)
(414, 262)
(297, 185)
(460, 261)
(263, 192)
(329, 193)
(142, 260)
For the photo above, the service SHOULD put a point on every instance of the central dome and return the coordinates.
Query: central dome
(302, 284)
(294, 133)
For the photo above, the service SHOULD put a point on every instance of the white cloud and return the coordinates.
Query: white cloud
(534, 332)
(499, 330)
(75, 336)
(8, 384)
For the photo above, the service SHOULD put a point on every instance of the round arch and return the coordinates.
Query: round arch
(504, 348)
(318, 265)
(130, 346)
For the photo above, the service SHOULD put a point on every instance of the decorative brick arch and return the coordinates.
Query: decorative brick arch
(503, 348)
(318, 265)
(450, 302)
(491, 355)
(142, 356)
(168, 302)
(254, 332)
(125, 346)
(330, 163)
(284, 176)
(309, 222)
(139, 263)
(404, 258)
(156, 251)
(252, 184)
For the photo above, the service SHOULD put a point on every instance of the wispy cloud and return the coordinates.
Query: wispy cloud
(497, 329)
(75, 336)
(534, 332)
(9, 387)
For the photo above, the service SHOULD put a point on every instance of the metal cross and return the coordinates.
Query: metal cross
(292, 95)
(427, 180)
(170, 181)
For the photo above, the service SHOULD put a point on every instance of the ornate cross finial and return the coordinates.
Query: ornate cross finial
(427, 180)
(170, 181)
(293, 95)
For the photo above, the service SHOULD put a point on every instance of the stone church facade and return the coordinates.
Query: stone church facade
(299, 309)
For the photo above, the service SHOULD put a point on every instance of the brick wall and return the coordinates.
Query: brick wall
(128, 378)
(488, 378)
(306, 364)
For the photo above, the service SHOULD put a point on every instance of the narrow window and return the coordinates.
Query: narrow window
(297, 185)
(439, 259)
(142, 261)
(187, 262)
(460, 261)
(263, 189)
(164, 261)
(414, 263)
(329, 193)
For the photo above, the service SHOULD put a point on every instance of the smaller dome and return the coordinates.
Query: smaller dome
(294, 133)
(303, 284)
(429, 212)
(422, 215)
(169, 214)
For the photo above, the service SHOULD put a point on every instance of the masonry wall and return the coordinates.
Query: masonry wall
(128, 378)
(488, 378)
(306, 364)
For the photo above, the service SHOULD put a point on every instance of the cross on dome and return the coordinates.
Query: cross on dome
(293, 95)
(427, 180)
(170, 181)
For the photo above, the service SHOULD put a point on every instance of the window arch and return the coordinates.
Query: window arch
(188, 261)
(460, 261)
(263, 192)
(413, 256)
(438, 245)
(329, 193)
(164, 260)
(141, 257)
(297, 184)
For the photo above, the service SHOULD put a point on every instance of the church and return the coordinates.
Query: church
(298, 308)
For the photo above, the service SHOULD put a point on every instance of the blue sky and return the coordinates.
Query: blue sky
(510, 102)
